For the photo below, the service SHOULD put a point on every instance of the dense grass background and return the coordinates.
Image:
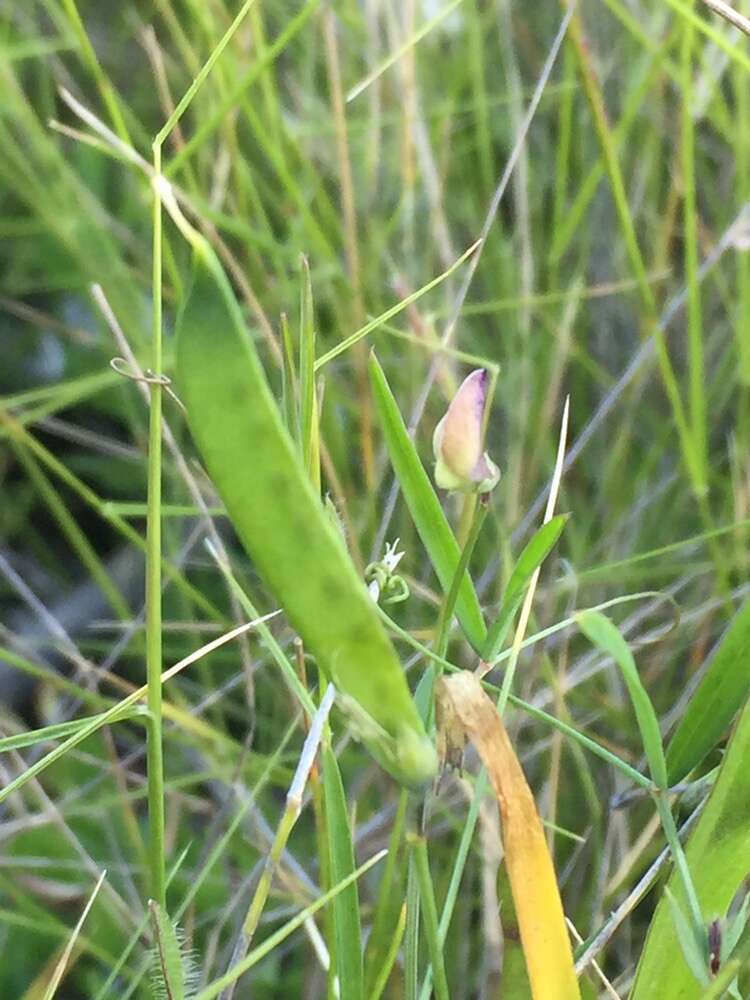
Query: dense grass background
(371, 137)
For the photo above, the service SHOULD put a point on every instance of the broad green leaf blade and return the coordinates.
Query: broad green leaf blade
(533, 555)
(718, 854)
(424, 506)
(602, 633)
(716, 700)
(283, 525)
(346, 905)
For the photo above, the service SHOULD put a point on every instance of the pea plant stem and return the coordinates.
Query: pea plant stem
(680, 861)
(478, 513)
(155, 760)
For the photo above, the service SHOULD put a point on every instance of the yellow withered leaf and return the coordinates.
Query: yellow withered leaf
(465, 712)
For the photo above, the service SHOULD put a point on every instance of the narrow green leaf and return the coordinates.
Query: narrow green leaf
(57, 731)
(724, 981)
(308, 400)
(424, 506)
(62, 963)
(275, 939)
(386, 968)
(718, 855)
(533, 555)
(283, 525)
(599, 630)
(429, 913)
(735, 929)
(289, 381)
(389, 902)
(692, 952)
(373, 324)
(346, 905)
(169, 974)
(716, 700)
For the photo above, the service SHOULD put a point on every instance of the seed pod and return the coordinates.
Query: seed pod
(283, 525)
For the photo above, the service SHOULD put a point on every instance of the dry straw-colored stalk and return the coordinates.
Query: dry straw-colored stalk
(465, 712)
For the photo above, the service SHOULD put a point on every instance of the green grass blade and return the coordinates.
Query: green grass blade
(230, 99)
(57, 731)
(346, 905)
(373, 324)
(424, 506)
(389, 903)
(60, 968)
(429, 913)
(275, 939)
(289, 381)
(308, 395)
(716, 700)
(718, 854)
(283, 525)
(200, 79)
(411, 934)
(384, 972)
(602, 633)
(533, 555)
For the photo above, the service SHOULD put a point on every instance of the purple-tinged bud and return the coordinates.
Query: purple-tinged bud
(460, 462)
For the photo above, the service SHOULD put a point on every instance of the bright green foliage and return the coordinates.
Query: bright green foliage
(718, 854)
(346, 921)
(600, 630)
(283, 525)
(424, 507)
(533, 555)
(717, 699)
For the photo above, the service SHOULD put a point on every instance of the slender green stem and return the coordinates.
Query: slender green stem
(449, 604)
(429, 912)
(229, 100)
(680, 860)
(390, 959)
(261, 893)
(275, 939)
(197, 83)
(742, 161)
(101, 507)
(155, 762)
(411, 942)
(103, 82)
(690, 226)
(467, 835)
(379, 942)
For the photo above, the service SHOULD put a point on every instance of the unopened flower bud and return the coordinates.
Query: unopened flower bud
(460, 462)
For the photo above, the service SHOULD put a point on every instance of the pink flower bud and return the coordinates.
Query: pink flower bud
(460, 462)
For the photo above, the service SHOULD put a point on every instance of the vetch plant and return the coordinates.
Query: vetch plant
(283, 525)
(461, 464)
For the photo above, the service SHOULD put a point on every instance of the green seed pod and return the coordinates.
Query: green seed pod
(283, 525)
